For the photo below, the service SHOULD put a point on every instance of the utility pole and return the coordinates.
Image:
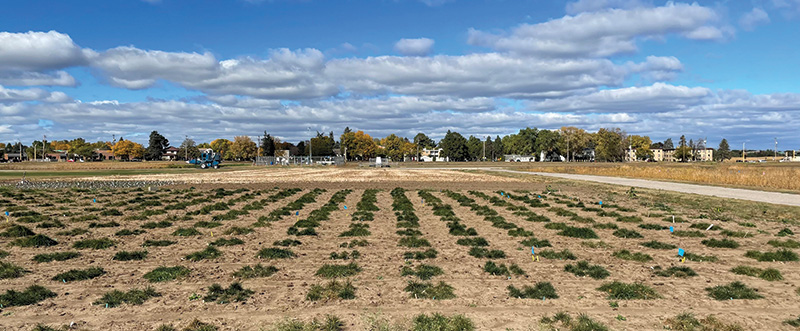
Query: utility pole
(186, 148)
(776, 150)
(484, 150)
(744, 153)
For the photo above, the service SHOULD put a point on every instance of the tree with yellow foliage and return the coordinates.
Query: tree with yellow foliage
(397, 148)
(126, 150)
(243, 148)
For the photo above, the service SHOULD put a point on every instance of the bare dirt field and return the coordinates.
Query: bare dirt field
(400, 215)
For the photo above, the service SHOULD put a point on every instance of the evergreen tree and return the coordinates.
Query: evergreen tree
(668, 144)
(267, 145)
(454, 146)
(723, 151)
(683, 153)
(155, 149)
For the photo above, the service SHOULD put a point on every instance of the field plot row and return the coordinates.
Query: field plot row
(243, 259)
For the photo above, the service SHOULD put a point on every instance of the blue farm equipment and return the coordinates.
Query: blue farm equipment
(207, 159)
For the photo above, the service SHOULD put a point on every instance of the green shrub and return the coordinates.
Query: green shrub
(626, 233)
(688, 234)
(746, 270)
(440, 291)
(409, 232)
(331, 323)
(582, 323)
(79, 274)
(256, 271)
(765, 274)
(771, 275)
(165, 274)
(158, 243)
(541, 290)
(422, 271)
(438, 322)
(623, 291)
(785, 232)
(275, 253)
(208, 253)
(31, 295)
(234, 293)
(629, 219)
(130, 256)
(332, 291)
(700, 258)
(3, 253)
(185, 232)
(789, 243)
(562, 255)
(627, 255)
(795, 322)
(38, 240)
(287, 243)
(583, 268)
(345, 255)
(101, 243)
(724, 243)
(238, 230)
(414, 242)
(533, 242)
(58, 256)
(516, 270)
(784, 255)
(473, 241)
(227, 242)
(481, 252)
(356, 230)
(126, 232)
(338, 271)
(16, 231)
(687, 322)
(735, 290)
(680, 272)
(606, 226)
(55, 224)
(658, 245)
(116, 298)
(421, 255)
(556, 226)
(496, 270)
(576, 232)
(735, 234)
(652, 226)
(154, 225)
(111, 224)
(9, 270)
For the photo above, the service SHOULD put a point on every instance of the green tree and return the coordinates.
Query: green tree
(497, 148)
(474, 148)
(668, 144)
(547, 141)
(723, 151)
(156, 147)
(454, 146)
(683, 153)
(573, 140)
(423, 141)
(188, 149)
(608, 145)
(321, 145)
(267, 145)
(641, 144)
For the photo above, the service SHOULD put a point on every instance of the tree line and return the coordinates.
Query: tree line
(572, 143)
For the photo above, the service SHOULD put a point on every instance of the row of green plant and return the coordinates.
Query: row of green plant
(318, 215)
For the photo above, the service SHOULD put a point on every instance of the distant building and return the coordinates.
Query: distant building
(668, 155)
(432, 155)
(170, 154)
(519, 158)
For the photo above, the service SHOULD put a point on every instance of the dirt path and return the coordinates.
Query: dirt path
(722, 192)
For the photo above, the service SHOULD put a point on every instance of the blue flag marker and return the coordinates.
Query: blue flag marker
(539, 196)
(680, 251)
(601, 203)
(345, 207)
(671, 229)
(532, 250)
(297, 213)
(6, 213)
(94, 200)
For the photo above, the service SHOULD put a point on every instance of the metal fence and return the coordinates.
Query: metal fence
(298, 160)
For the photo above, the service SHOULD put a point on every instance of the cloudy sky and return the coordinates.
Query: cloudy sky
(209, 68)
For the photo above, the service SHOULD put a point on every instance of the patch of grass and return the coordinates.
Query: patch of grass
(606, 226)
(583, 268)
(116, 298)
(680, 272)
(165, 274)
(481, 252)
(576, 232)
(38, 240)
(687, 322)
(629, 219)
(287, 243)
(345, 255)
(625, 291)
(688, 234)
(356, 230)
(234, 293)
(17, 231)
(126, 232)
(556, 226)
(735, 290)
(186, 232)
(130, 256)
(562, 255)
(703, 226)
(332, 291)
(158, 243)
(789, 243)
(58, 256)
(785, 232)
(9, 270)
(257, 271)
(735, 234)
(770, 274)
(658, 245)
(700, 258)
(422, 271)
(421, 255)
(627, 233)
(208, 253)
(238, 230)
(652, 226)
(438, 322)
(533, 242)
(795, 322)
(227, 242)
(582, 323)
(275, 253)
(440, 291)
(409, 232)
(330, 323)
(3, 253)
(159, 225)
(628, 255)
(540, 290)
(101, 243)
(414, 242)
(31, 295)
(724, 243)
(784, 255)
(338, 271)
(197, 325)
(110, 224)
(79, 274)
(473, 241)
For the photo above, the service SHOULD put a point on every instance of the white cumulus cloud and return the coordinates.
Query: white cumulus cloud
(414, 47)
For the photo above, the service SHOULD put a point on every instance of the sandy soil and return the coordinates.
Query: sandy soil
(481, 297)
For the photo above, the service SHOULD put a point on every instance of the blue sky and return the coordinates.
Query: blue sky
(208, 69)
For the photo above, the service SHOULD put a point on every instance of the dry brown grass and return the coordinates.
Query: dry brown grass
(774, 176)
(105, 165)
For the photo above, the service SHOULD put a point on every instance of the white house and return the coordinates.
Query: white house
(432, 155)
